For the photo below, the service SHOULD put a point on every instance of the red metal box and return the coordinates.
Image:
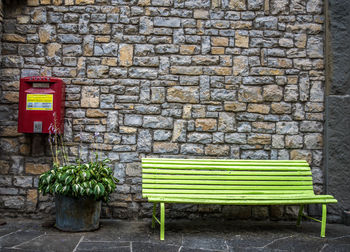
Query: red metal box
(41, 104)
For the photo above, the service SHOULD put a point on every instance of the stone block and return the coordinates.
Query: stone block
(111, 49)
(258, 108)
(97, 71)
(223, 95)
(84, 2)
(133, 169)
(217, 50)
(279, 7)
(206, 124)
(259, 139)
(189, 49)
(205, 60)
(311, 126)
(132, 120)
(260, 212)
(14, 38)
(277, 141)
(33, 2)
(72, 50)
(126, 54)
(255, 4)
(236, 138)
(290, 128)
(266, 22)
(240, 65)
(235, 106)
(186, 70)
(227, 122)
(215, 70)
(263, 127)
(203, 138)
(14, 202)
(259, 154)
(162, 135)
(167, 49)
(157, 122)
(157, 94)
(39, 16)
(183, 94)
(291, 93)
(32, 197)
(281, 108)
(98, 29)
(167, 22)
(241, 39)
(315, 47)
(90, 97)
(192, 149)
(250, 94)
(217, 150)
(314, 6)
(219, 41)
(23, 181)
(201, 14)
(146, 26)
(165, 148)
(294, 142)
(272, 93)
(144, 73)
(301, 155)
(313, 141)
(179, 132)
(266, 71)
(32, 168)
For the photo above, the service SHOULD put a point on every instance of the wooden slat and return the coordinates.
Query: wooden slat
(226, 187)
(233, 173)
(146, 191)
(208, 177)
(228, 167)
(241, 196)
(242, 202)
(148, 160)
(220, 182)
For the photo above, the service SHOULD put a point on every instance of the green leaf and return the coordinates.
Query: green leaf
(65, 189)
(48, 178)
(68, 180)
(57, 188)
(75, 188)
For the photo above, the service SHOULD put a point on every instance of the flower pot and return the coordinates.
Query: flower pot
(346, 217)
(74, 215)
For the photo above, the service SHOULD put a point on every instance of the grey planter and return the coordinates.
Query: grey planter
(76, 215)
(346, 217)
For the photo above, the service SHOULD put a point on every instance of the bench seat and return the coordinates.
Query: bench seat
(229, 182)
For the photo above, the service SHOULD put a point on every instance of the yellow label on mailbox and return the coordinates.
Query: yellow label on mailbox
(39, 102)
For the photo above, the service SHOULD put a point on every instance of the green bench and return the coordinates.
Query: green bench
(229, 182)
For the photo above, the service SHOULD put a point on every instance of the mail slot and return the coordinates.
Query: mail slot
(41, 104)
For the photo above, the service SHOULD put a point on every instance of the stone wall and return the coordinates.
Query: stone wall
(165, 78)
(338, 101)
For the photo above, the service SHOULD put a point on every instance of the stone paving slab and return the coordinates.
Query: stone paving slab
(181, 235)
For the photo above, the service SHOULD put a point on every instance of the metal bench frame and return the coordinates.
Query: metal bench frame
(230, 182)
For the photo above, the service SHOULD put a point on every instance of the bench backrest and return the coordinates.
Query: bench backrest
(221, 176)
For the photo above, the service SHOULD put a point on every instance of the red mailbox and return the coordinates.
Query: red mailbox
(41, 104)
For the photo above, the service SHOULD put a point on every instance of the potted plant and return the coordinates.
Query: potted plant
(78, 187)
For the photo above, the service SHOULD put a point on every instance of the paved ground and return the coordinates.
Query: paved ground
(185, 236)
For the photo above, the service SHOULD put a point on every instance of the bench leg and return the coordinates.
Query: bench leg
(162, 219)
(324, 218)
(154, 215)
(301, 209)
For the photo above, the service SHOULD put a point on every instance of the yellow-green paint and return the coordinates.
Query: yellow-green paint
(229, 182)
